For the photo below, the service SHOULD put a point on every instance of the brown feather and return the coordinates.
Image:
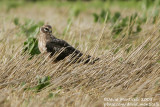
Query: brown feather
(50, 44)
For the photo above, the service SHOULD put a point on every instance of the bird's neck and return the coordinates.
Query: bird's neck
(46, 37)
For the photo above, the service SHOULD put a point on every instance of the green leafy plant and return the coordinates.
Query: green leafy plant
(31, 46)
(119, 23)
(106, 13)
(102, 16)
(132, 21)
(118, 27)
(129, 49)
(128, 22)
(16, 21)
(75, 11)
(96, 17)
(148, 3)
(30, 30)
(115, 17)
(116, 50)
(42, 83)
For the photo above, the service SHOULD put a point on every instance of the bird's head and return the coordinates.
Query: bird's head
(47, 29)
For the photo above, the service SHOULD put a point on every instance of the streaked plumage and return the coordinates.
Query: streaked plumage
(50, 44)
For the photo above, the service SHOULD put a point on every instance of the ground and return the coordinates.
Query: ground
(128, 47)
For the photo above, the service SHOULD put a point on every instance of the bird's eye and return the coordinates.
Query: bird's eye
(46, 29)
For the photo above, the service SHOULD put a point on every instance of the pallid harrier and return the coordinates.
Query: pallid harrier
(48, 43)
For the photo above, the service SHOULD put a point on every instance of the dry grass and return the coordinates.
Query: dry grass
(122, 75)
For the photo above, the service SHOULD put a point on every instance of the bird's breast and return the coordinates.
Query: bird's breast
(42, 45)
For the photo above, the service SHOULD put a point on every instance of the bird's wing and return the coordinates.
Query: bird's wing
(57, 45)
(65, 49)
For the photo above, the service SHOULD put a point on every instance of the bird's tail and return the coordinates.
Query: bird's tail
(91, 60)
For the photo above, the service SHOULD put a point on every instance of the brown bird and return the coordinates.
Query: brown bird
(48, 43)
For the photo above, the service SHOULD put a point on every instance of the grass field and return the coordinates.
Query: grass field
(124, 35)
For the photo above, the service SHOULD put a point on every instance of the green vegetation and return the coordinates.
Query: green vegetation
(42, 83)
(30, 30)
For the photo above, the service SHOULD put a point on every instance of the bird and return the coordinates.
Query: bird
(48, 43)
